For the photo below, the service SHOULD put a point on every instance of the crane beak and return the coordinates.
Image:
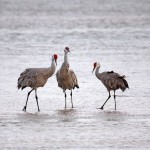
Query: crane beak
(56, 61)
(93, 69)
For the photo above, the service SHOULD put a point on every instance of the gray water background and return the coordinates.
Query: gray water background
(115, 33)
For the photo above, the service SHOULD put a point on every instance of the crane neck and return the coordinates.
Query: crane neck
(65, 58)
(51, 69)
(53, 63)
(65, 63)
(97, 71)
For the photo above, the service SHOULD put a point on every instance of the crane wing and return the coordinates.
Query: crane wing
(27, 79)
(58, 77)
(113, 81)
(32, 77)
(74, 78)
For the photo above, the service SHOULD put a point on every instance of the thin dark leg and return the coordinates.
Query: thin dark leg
(71, 98)
(24, 108)
(115, 99)
(106, 101)
(65, 99)
(37, 100)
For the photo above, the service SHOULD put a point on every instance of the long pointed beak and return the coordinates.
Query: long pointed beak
(56, 61)
(93, 69)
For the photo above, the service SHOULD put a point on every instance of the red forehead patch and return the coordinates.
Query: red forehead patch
(95, 64)
(55, 56)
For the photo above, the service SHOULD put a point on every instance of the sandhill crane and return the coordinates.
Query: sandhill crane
(36, 77)
(66, 77)
(111, 80)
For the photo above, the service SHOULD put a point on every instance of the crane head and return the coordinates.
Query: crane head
(95, 65)
(66, 49)
(55, 58)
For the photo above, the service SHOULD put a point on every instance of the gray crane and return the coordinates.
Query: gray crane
(66, 77)
(35, 78)
(111, 80)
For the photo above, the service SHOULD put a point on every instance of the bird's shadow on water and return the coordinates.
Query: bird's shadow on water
(112, 115)
(33, 117)
(66, 115)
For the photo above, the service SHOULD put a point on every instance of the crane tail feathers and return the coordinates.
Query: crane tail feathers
(77, 86)
(123, 88)
(126, 83)
(23, 87)
(19, 86)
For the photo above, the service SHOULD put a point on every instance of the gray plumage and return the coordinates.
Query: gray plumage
(111, 80)
(35, 78)
(66, 77)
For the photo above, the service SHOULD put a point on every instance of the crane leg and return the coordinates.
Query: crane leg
(24, 108)
(71, 98)
(106, 101)
(65, 99)
(37, 100)
(115, 99)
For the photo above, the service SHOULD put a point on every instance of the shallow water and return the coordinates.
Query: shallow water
(113, 32)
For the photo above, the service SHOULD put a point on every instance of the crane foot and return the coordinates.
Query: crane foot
(101, 108)
(24, 108)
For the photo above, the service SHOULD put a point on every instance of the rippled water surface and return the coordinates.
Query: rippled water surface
(113, 32)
